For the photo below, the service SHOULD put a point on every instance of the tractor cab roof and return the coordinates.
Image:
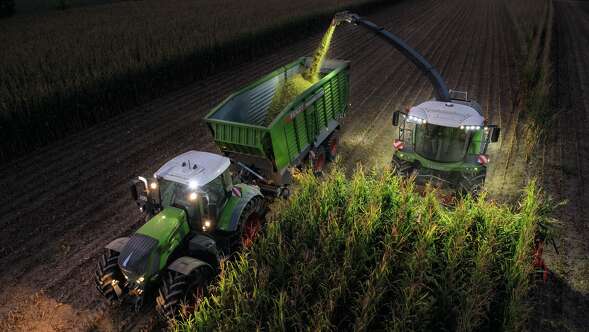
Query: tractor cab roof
(449, 114)
(194, 168)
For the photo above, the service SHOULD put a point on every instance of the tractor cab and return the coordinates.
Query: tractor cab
(437, 137)
(198, 183)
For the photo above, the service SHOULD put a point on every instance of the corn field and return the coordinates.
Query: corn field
(368, 253)
(62, 71)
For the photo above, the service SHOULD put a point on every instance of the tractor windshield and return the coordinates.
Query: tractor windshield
(179, 195)
(443, 144)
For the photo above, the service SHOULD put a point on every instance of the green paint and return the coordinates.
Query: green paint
(169, 227)
(247, 192)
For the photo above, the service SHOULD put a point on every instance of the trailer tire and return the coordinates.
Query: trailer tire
(331, 146)
(108, 271)
(177, 289)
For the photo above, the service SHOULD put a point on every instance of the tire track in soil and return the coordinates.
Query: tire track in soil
(562, 304)
(111, 215)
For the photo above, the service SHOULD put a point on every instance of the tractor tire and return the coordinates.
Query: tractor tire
(177, 289)
(107, 274)
(250, 223)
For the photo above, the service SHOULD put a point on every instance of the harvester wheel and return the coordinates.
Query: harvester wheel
(472, 185)
(402, 167)
(108, 276)
(177, 289)
(250, 222)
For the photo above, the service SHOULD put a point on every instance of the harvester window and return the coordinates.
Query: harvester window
(438, 143)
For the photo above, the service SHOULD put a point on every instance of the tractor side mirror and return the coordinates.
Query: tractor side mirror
(495, 134)
(396, 115)
(138, 188)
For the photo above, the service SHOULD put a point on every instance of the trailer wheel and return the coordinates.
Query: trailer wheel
(177, 289)
(108, 277)
(251, 222)
(331, 147)
(318, 160)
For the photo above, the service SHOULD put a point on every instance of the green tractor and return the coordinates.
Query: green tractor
(195, 213)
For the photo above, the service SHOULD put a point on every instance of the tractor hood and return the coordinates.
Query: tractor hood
(164, 224)
(141, 255)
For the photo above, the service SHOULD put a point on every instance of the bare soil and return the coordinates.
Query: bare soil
(61, 205)
(563, 303)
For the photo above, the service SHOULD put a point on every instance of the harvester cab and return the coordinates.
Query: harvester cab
(444, 143)
(443, 140)
(195, 214)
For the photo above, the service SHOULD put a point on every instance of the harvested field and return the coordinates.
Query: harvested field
(67, 70)
(563, 165)
(63, 203)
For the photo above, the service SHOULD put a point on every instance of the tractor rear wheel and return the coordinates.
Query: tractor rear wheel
(177, 289)
(108, 277)
(250, 222)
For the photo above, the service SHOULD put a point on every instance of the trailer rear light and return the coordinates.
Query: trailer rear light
(399, 145)
(483, 159)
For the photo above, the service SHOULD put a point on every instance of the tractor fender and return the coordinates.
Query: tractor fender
(117, 244)
(185, 265)
(247, 196)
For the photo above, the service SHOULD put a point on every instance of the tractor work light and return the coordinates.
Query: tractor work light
(467, 128)
(153, 185)
(193, 196)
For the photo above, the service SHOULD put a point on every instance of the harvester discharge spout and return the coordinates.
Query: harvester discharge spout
(441, 90)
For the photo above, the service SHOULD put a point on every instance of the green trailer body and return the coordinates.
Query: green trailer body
(239, 127)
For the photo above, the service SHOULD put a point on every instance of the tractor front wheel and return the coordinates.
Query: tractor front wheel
(177, 289)
(108, 277)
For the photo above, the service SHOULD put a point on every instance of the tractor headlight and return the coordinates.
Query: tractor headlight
(140, 280)
(153, 185)
(193, 196)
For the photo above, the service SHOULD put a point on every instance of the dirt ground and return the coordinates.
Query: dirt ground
(564, 304)
(61, 205)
